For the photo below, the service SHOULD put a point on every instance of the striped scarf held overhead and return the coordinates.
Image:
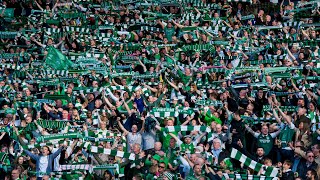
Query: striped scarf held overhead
(265, 61)
(96, 55)
(105, 166)
(291, 24)
(282, 93)
(9, 55)
(145, 76)
(208, 103)
(113, 75)
(195, 3)
(171, 112)
(246, 176)
(170, 129)
(257, 120)
(151, 28)
(207, 47)
(26, 104)
(180, 64)
(217, 70)
(55, 72)
(8, 35)
(247, 1)
(267, 170)
(164, 112)
(121, 154)
(87, 167)
(57, 175)
(59, 136)
(77, 29)
(283, 108)
(10, 66)
(275, 57)
(217, 28)
(86, 90)
(56, 144)
(52, 124)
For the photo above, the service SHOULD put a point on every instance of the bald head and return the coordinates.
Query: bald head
(157, 146)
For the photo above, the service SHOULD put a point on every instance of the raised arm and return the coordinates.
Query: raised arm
(127, 107)
(285, 117)
(55, 154)
(227, 24)
(294, 86)
(37, 42)
(275, 114)
(178, 141)
(177, 24)
(209, 34)
(275, 134)
(142, 127)
(251, 131)
(55, 6)
(38, 5)
(143, 66)
(57, 45)
(32, 156)
(106, 100)
(290, 54)
(151, 89)
(2, 135)
(42, 131)
(200, 137)
(160, 23)
(305, 34)
(114, 82)
(121, 126)
(171, 84)
(312, 94)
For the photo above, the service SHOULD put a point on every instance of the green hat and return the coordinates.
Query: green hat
(156, 157)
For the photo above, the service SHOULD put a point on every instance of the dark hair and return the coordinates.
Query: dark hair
(288, 162)
(107, 172)
(47, 148)
(313, 173)
(259, 147)
(237, 112)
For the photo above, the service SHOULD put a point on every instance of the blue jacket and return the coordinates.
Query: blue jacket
(51, 158)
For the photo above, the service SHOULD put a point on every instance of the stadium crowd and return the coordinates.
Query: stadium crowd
(159, 89)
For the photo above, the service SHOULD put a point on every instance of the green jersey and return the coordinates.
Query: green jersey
(266, 142)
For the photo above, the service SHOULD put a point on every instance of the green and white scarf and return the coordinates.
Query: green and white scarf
(121, 154)
(246, 176)
(269, 171)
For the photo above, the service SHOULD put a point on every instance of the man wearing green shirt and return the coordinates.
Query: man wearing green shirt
(265, 139)
(188, 145)
(185, 75)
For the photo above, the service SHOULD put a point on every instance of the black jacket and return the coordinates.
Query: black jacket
(287, 175)
(303, 168)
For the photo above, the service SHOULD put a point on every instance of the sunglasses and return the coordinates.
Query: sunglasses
(161, 167)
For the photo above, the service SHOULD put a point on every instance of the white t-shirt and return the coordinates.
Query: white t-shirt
(43, 164)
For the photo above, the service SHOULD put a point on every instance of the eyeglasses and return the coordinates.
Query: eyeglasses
(161, 167)
(314, 147)
(310, 156)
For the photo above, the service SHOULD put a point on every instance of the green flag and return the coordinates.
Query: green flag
(57, 60)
